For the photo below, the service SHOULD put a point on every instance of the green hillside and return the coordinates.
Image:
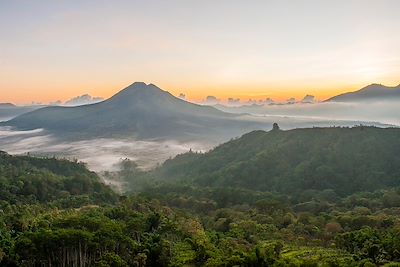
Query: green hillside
(28, 180)
(346, 160)
(200, 210)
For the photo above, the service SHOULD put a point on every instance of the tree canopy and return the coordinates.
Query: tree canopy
(282, 198)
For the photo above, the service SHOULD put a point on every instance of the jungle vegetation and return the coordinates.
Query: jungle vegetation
(307, 197)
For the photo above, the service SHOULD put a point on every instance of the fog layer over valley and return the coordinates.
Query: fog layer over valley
(374, 103)
(382, 112)
(103, 154)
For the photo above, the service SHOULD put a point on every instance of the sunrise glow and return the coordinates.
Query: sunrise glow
(58, 50)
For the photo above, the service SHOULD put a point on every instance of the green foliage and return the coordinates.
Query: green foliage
(341, 160)
(110, 260)
(31, 180)
(312, 197)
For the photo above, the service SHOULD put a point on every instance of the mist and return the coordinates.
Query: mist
(103, 154)
(375, 113)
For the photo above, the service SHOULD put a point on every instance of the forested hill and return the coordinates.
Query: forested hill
(29, 180)
(346, 160)
(57, 213)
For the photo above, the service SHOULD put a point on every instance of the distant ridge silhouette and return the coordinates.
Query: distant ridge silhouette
(7, 105)
(372, 92)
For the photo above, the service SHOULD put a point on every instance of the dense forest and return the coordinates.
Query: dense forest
(54, 182)
(309, 197)
(345, 160)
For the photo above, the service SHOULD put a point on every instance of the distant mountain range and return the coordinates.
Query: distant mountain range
(9, 110)
(372, 92)
(7, 105)
(140, 110)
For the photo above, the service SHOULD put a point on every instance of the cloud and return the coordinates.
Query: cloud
(211, 100)
(385, 112)
(83, 100)
(291, 100)
(7, 132)
(232, 100)
(55, 103)
(102, 154)
(269, 101)
(251, 101)
(308, 99)
(182, 96)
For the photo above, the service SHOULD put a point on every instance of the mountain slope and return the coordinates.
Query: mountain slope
(7, 105)
(140, 110)
(9, 111)
(28, 180)
(345, 160)
(372, 92)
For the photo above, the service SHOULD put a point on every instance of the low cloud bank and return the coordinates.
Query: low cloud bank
(100, 154)
(386, 112)
(83, 100)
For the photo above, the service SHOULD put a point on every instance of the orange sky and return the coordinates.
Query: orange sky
(49, 91)
(43, 94)
(56, 50)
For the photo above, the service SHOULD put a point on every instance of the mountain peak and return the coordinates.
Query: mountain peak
(372, 92)
(153, 85)
(374, 87)
(137, 85)
(138, 89)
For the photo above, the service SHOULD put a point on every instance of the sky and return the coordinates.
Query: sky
(56, 50)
